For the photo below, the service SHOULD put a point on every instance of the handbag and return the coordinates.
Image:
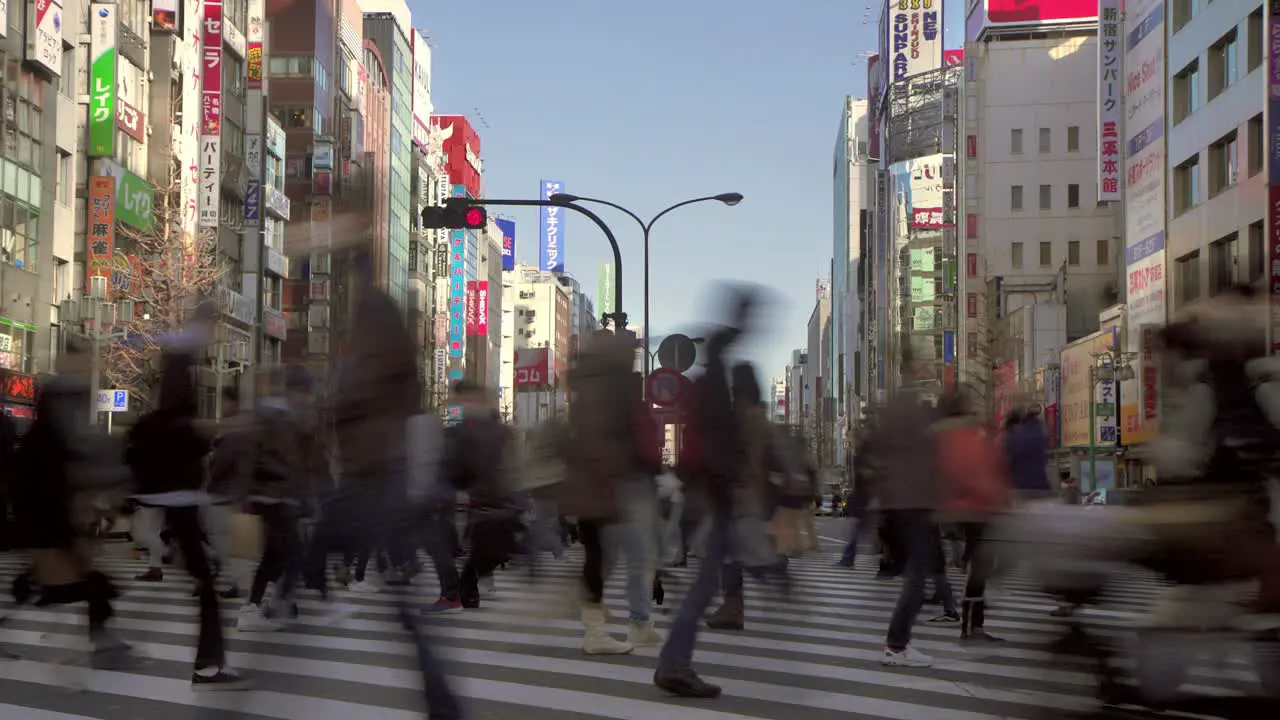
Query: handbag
(245, 535)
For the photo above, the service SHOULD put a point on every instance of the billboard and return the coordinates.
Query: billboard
(211, 125)
(254, 38)
(605, 291)
(551, 227)
(100, 231)
(189, 143)
(984, 15)
(457, 293)
(1144, 167)
(508, 230)
(482, 308)
(914, 37)
(470, 305)
(1075, 392)
(461, 147)
(1110, 99)
(422, 90)
(925, 185)
(875, 78)
(532, 369)
(44, 35)
(102, 79)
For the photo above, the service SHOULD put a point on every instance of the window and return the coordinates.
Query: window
(67, 83)
(1223, 165)
(1015, 197)
(1073, 252)
(1222, 264)
(1186, 185)
(1073, 195)
(1184, 11)
(297, 117)
(1015, 255)
(1186, 91)
(1073, 138)
(24, 98)
(16, 344)
(1046, 140)
(233, 75)
(232, 138)
(290, 65)
(19, 234)
(1188, 277)
(1257, 150)
(1046, 254)
(1222, 64)
(66, 187)
(1253, 36)
(1104, 252)
(1257, 252)
(1015, 141)
(1046, 197)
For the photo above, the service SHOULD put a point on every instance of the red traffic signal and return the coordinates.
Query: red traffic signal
(457, 214)
(475, 217)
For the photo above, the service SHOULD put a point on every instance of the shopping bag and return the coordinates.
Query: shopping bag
(245, 533)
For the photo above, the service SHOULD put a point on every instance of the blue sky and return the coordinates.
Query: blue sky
(647, 104)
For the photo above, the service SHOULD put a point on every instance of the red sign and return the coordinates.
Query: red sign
(322, 182)
(461, 147)
(971, 146)
(470, 317)
(482, 308)
(131, 120)
(1040, 12)
(1273, 261)
(101, 228)
(971, 226)
(951, 58)
(164, 20)
(17, 387)
(211, 67)
(532, 368)
(1109, 149)
(971, 264)
(1051, 424)
(928, 219)
(665, 387)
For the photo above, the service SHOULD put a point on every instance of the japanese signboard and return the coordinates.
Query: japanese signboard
(482, 308)
(254, 38)
(102, 80)
(470, 317)
(253, 156)
(164, 15)
(1078, 392)
(914, 29)
(135, 197)
(131, 121)
(457, 293)
(44, 35)
(100, 231)
(551, 247)
(233, 39)
(1110, 99)
(211, 114)
(508, 230)
(189, 142)
(253, 201)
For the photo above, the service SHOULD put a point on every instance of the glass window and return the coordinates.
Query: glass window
(1046, 254)
(1223, 64)
(1222, 263)
(1186, 91)
(1073, 195)
(1046, 140)
(1186, 185)
(16, 344)
(1073, 252)
(1046, 197)
(19, 234)
(1073, 138)
(1257, 252)
(1015, 141)
(1188, 276)
(1104, 252)
(1015, 197)
(1015, 255)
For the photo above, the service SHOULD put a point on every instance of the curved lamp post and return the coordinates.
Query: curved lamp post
(729, 199)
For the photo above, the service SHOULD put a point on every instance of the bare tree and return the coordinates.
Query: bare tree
(164, 272)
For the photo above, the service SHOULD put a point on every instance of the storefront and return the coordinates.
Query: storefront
(17, 340)
(18, 397)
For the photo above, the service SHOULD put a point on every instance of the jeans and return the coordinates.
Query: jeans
(184, 522)
(441, 542)
(545, 533)
(280, 526)
(856, 528)
(635, 541)
(916, 537)
(677, 652)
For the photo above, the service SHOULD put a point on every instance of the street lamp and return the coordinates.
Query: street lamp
(729, 199)
(1109, 366)
(99, 319)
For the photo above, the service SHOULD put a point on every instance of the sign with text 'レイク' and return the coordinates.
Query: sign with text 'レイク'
(551, 247)
(1110, 98)
(211, 114)
(102, 80)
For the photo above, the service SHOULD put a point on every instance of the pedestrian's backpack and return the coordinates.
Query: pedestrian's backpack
(425, 444)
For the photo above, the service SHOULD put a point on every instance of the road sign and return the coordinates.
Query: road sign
(113, 401)
(677, 352)
(665, 387)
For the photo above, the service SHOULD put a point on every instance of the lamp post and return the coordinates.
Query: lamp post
(99, 317)
(1108, 366)
(729, 199)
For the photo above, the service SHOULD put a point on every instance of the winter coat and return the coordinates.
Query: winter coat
(476, 457)
(166, 449)
(1025, 446)
(602, 449)
(720, 454)
(975, 479)
(902, 459)
(755, 496)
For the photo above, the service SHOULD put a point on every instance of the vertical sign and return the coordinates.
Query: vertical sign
(875, 79)
(211, 114)
(457, 293)
(604, 290)
(508, 230)
(471, 308)
(100, 235)
(1110, 98)
(914, 37)
(1273, 161)
(4, 18)
(44, 35)
(482, 308)
(102, 80)
(551, 246)
(254, 39)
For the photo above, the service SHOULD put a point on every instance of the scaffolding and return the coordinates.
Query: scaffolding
(921, 114)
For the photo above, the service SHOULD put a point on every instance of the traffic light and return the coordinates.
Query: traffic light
(457, 214)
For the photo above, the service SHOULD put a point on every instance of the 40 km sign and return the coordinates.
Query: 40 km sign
(666, 387)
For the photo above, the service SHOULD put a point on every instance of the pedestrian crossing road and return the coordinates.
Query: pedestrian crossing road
(817, 654)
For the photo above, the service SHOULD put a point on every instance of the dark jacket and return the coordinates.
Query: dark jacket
(1025, 447)
(475, 461)
(717, 427)
(41, 484)
(166, 450)
(902, 456)
(602, 449)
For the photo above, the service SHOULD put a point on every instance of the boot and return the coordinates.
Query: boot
(729, 616)
(643, 634)
(596, 639)
(972, 621)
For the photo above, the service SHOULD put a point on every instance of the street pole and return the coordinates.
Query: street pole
(95, 347)
(1093, 408)
(217, 383)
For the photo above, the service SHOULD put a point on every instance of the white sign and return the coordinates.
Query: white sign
(210, 179)
(1110, 99)
(275, 139)
(322, 157)
(253, 156)
(914, 30)
(44, 34)
(473, 159)
(421, 89)
(233, 38)
(113, 401)
(4, 13)
(276, 202)
(1144, 163)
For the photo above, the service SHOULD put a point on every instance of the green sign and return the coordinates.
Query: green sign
(135, 198)
(102, 80)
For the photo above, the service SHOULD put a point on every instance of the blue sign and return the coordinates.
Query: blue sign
(457, 286)
(551, 244)
(253, 201)
(508, 229)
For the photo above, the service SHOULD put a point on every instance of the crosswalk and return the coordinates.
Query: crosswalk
(817, 653)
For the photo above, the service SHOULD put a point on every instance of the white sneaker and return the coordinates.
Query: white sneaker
(909, 658)
(643, 635)
(364, 587)
(251, 619)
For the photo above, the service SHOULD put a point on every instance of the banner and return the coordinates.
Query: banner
(102, 80)
(135, 197)
(508, 230)
(131, 121)
(914, 37)
(605, 291)
(471, 308)
(211, 115)
(482, 308)
(254, 38)
(164, 15)
(44, 35)
(1110, 98)
(532, 369)
(100, 231)
(457, 293)
(551, 242)
(1076, 392)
